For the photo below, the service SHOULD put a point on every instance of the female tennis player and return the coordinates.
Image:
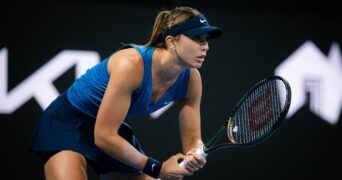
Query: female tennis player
(86, 125)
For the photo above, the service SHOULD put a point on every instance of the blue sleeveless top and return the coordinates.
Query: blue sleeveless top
(87, 91)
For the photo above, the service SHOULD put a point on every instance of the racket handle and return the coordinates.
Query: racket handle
(198, 151)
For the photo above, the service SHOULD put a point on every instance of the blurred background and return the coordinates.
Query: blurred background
(44, 47)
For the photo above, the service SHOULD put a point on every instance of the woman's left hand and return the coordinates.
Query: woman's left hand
(194, 160)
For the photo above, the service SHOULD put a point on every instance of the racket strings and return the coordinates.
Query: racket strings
(259, 112)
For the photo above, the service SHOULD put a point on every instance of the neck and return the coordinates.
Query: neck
(165, 66)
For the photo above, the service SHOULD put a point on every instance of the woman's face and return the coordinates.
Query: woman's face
(192, 50)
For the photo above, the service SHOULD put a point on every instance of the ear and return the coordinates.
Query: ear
(169, 40)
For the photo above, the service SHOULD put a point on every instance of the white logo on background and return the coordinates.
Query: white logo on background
(312, 74)
(39, 85)
(203, 20)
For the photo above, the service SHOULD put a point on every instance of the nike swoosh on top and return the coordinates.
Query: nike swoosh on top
(153, 166)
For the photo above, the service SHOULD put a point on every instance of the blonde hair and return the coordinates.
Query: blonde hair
(167, 19)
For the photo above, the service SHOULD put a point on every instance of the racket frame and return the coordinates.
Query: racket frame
(210, 146)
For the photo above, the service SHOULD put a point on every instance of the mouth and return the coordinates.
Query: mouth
(200, 58)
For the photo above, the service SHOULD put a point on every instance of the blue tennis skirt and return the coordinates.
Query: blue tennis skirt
(63, 127)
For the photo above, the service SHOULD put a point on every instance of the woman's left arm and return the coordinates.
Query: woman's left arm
(190, 123)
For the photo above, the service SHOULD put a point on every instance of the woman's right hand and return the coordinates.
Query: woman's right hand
(171, 170)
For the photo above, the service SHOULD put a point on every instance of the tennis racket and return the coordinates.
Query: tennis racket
(254, 118)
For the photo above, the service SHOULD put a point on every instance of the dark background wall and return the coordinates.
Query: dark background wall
(257, 37)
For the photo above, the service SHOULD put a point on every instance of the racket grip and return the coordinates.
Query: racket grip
(182, 164)
(198, 151)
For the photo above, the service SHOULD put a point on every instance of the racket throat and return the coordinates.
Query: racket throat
(216, 137)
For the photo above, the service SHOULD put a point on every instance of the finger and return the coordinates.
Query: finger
(200, 160)
(191, 164)
(185, 171)
(196, 162)
(191, 170)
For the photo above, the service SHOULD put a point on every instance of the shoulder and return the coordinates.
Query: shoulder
(127, 66)
(195, 75)
(126, 60)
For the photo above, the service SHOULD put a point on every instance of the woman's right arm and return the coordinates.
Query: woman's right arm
(126, 72)
(125, 76)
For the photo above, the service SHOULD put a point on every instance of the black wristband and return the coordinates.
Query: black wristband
(152, 167)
